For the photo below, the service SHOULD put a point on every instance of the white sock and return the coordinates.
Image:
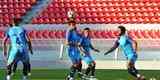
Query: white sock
(24, 77)
(8, 77)
(29, 74)
(138, 75)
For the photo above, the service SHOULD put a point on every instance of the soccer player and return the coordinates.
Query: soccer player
(129, 47)
(19, 45)
(86, 46)
(73, 41)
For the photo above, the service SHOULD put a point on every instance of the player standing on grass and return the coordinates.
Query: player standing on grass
(129, 47)
(86, 46)
(20, 43)
(73, 41)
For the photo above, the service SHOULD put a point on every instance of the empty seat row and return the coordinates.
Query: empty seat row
(94, 20)
(106, 0)
(15, 6)
(17, 1)
(104, 4)
(105, 9)
(10, 9)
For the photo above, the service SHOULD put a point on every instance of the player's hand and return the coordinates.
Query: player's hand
(106, 53)
(96, 50)
(31, 52)
(61, 58)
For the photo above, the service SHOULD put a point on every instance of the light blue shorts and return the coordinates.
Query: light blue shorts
(16, 55)
(88, 59)
(132, 58)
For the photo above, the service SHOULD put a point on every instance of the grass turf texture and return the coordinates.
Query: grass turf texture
(102, 74)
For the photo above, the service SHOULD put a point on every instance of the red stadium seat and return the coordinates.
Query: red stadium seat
(45, 34)
(98, 34)
(2, 34)
(39, 34)
(32, 34)
(112, 11)
(14, 8)
(105, 34)
(59, 34)
(52, 34)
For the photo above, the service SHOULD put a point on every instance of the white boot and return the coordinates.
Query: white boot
(8, 77)
(71, 78)
(29, 74)
(93, 78)
(25, 78)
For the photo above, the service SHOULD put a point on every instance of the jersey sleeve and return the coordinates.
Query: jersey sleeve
(7, 33)
(81, 40)
(130, 39)
(26, 34)
(68, 35)
(116, 44)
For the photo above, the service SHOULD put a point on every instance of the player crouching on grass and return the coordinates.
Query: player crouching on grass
(129, 47)
(86, 46)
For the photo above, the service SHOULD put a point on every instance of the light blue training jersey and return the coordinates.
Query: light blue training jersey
(125, 42)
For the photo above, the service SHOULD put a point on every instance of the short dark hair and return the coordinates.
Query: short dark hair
(87, 29)
(16, 21)
(71, 21)
(123, 30)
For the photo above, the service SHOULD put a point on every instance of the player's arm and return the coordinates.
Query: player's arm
(29, 43)
(135, 44)
(93, 48)
(67, 37)
(82, 50)
(116, 44)
(5, 46)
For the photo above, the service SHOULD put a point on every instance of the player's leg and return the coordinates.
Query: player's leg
(91, 70)
(25, 73)
(9, 71)
(29, 69)
(28, 65)
(72, 72)
(10, 61)
(15, 67)
(93, 65)
(88, 70)
(25, 60)
(72, 69)
(132, 70)
(79, 64)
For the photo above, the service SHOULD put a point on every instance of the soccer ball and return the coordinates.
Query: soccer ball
(71, 14)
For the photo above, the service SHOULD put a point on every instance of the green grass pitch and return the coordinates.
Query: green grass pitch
(102, 74)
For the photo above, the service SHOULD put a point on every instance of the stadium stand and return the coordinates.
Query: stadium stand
(102, 11)
(13, 9)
